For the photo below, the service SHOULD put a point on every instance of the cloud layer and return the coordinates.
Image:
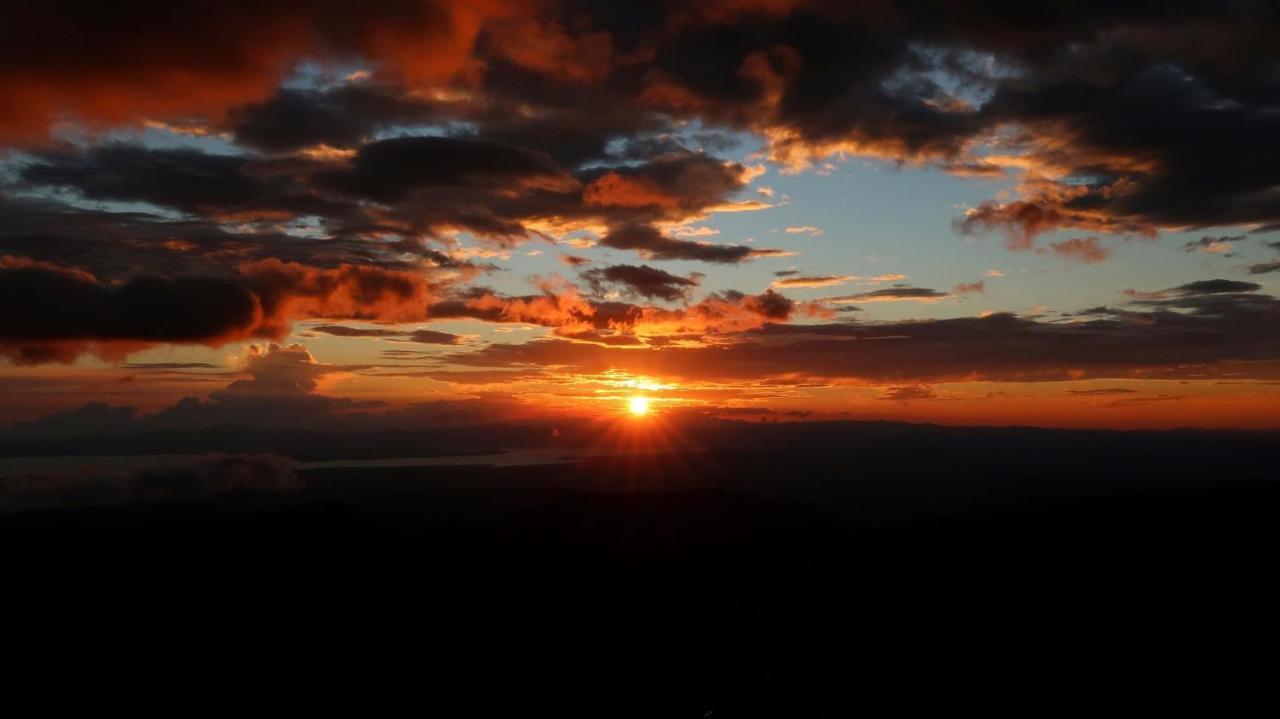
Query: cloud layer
(207, 176)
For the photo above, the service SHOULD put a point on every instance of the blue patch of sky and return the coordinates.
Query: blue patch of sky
(12, 163)
(307, 226)
(316, 75)
(879, 219)
(75, 200)
(154, 137)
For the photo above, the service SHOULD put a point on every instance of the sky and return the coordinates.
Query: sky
(1030, 213)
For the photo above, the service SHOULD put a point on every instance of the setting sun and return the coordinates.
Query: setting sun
(639, 406)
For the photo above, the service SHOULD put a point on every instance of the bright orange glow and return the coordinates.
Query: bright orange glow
(639, 406)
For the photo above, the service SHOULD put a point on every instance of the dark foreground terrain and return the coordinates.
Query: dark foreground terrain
(840, 572)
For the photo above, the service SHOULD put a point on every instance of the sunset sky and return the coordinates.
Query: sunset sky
(1058, 214)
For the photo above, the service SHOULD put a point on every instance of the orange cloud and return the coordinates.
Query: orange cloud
(723, 313)
(1081, 249)
(615, 190)
(549, 49)
(562, 308)
(99, 65)
(289, 291)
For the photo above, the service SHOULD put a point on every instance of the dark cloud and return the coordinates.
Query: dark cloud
(504, 194)
(1215, 287)
(62, 310)
(87, 419)
(893, 294)
(1205, 298)
(909, 393)
(340, 117)
(642, 280)
(432, 337)
(389, 170)
(116, 245)
(1192, 292)
(343, 331)
(421, 335)
(1157, 141)
(187, 180)
(76, 313)
(430, 184)
(1265, 267)
(650, 242)
(1237, 337)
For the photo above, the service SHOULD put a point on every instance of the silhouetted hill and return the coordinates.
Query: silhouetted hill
(1002, 568)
